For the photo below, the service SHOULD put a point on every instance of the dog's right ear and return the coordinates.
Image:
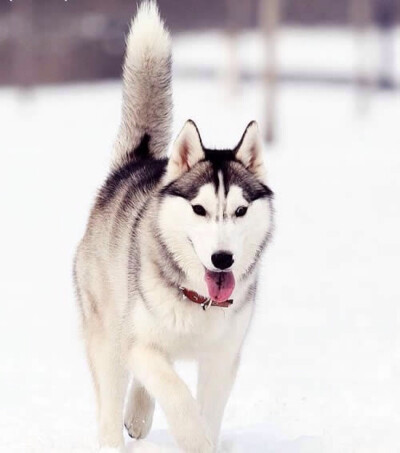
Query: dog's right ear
(186, 151)
(249, 151)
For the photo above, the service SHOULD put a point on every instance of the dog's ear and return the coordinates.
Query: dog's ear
(249, 150)
(186, 151)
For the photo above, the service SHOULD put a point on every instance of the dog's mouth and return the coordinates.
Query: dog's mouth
(220, 285)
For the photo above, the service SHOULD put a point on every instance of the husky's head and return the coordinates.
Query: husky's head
(215, 213)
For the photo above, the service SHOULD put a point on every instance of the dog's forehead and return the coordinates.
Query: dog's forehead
(220, 200)
(235, 195)
(206, 194)
(212, 173)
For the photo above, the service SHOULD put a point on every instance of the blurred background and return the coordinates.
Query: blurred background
(296, 41)
(321, 366)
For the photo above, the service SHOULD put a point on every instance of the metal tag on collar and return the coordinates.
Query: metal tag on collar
(206, 304)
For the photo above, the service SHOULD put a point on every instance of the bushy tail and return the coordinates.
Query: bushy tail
(147, 95)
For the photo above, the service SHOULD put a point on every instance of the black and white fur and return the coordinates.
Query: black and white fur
(144, 241)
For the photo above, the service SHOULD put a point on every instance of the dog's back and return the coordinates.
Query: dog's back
(138, 163)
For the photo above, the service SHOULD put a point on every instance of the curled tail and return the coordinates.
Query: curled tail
(145, 128)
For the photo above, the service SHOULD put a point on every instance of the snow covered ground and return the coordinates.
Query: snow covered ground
(321, 366)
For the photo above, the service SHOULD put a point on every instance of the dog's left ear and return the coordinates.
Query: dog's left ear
(249, 150)
(186, 152)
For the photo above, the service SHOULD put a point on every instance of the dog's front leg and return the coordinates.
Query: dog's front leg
(217, 373)
(156, 373)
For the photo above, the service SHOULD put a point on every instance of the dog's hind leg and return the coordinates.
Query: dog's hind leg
(110, 380)
(139, 411)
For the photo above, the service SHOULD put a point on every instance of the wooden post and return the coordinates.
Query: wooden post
(386, 10)
(269, 19)
(361, 19)
(23, 65)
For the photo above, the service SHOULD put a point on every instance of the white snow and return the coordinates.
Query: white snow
(321, 366)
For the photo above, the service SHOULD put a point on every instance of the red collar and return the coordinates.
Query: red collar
(205, 302)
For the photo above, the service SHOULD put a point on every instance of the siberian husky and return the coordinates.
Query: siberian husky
(167, 268)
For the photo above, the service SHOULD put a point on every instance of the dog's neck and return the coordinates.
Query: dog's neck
(205, 302)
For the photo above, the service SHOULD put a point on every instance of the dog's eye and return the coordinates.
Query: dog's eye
(199, 210)
(240, 211)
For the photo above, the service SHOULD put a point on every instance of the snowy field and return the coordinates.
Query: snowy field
(321, 366)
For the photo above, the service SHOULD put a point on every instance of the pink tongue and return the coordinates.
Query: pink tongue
(220, 285)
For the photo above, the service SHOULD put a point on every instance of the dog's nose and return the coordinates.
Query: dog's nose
(222, 260)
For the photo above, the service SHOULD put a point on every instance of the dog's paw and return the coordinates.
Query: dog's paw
(138, 428)
(139, 414)
(195, 441)
(205, 446)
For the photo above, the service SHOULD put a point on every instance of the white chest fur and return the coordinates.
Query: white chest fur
(164, 318)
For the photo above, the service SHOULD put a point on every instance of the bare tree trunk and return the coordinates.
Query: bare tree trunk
(269, 20)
